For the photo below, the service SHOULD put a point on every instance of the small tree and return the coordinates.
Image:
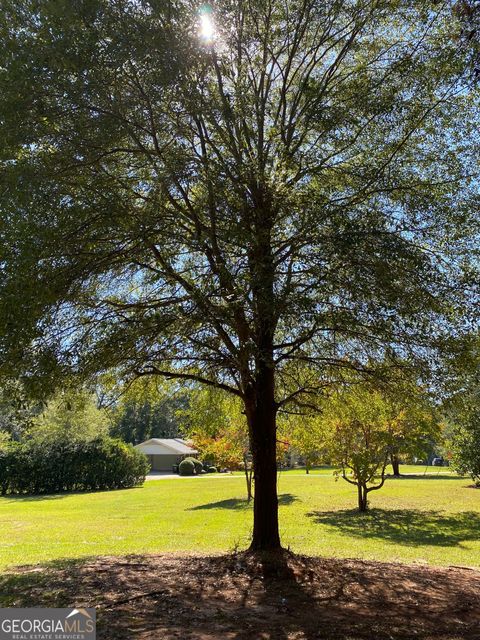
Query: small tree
(359, 439)
(367, 428)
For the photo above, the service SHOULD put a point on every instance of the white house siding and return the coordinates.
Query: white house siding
(155, 449)
(163, 457)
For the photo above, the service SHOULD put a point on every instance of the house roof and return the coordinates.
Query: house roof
(176, 445)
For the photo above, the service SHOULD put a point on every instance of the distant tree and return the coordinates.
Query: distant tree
(147, 409)
(462, 408)
(417, 428)
(71, 415)
(218, 428)
(291, 186)
(415, 434)
(306, 436)
(465, 447)
(5, 440)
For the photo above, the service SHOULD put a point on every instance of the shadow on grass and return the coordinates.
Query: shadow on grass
(427, 476)
(241, 503)
(59, 496)
(32, 498)
(408, 527)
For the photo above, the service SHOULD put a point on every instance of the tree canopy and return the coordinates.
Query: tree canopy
(72, 415)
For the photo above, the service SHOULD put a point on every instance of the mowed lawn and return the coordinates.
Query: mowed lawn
(435, 519)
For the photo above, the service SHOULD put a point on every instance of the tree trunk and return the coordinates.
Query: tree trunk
(260, 403)
(261, 415)
(395, 465)
(248, 478)
(250, 485)
(362, 498)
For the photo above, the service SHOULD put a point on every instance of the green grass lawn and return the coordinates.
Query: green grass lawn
(405, 469)
(432, 519)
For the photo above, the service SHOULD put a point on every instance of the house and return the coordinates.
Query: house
(164, 453)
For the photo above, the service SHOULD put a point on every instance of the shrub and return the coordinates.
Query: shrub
(186, 468)
(197, 464)
(56, 466)
(212, 470)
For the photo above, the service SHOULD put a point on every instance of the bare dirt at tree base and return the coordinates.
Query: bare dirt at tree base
(243, 596)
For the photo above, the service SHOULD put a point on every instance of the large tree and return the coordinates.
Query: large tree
(231, 197)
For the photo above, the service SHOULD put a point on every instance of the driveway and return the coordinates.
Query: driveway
(166, 475)
(159, 475)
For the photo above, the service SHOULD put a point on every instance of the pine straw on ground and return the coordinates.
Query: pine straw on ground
(242, 596)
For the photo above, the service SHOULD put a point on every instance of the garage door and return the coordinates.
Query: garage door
(162, 462)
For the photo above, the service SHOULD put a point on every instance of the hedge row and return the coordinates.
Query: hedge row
(51, 467)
